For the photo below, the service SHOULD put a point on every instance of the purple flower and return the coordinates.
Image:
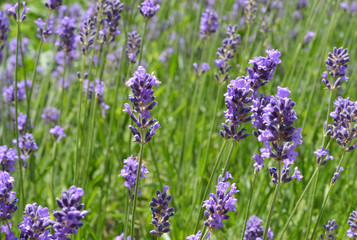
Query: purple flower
(53, 4)
(226, 52)
(319, 156)
(343, 128)
(308, 37)
(9, 201)
(67, 37)
(121, 237)
(209, 23)
(69, 219)
(201, 68)
(148, 8)
(50, 114)
(99, 91)
(336, 175)
(27, 145)
(250, 9)
(129, 172)
(36, 223)
(9, 92)
(198, 236)
(352, 221)
(218, 205)
(113, 15)
(8, 157)
(238, 100)
(330, 228)
(21, 122)
(133, 46)
(161, 212)
(12, 11)
(87, 35)
(4, 30)
(336, 64)
(141, 85)
(44, 30)
(58, 133)
(255, 230)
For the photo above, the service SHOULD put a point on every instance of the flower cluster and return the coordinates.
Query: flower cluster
(121, 237)
(319, 156)
(129, 173)
(330, 228)
(53, 4)
(44, 30)
(9, 201)
(68, 220)
(255, 230)
(36, 223)
(218, 205)
(8, 157)
(209, 23)
(250, 10)
(86, 36)
(98, 90)
(201, 68)
(279, 136)
(343, 128)
(58, 133)
(133, 46)
(198, 236)
(148, 8)
(13, 11)
(113, 15)
(51, 115)
(336, 65)
(226, 52)
(161, 212)
(263, 69)
(237, 100)
(336, 175)
(27, 145)
(141, 85)
(67, 37)
(4, 30)
(352, 221)
(9, 92)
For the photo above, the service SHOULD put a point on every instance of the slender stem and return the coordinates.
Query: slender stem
(137, 188)
(79, 119)
(228, 158)
(204, 233)
(16, 108)
(327, 197)
(54, 154)
(127, 215)
(142, 42)
(248, 206)
(35, 73)
(328, 115)
(313, 194)
(298, 202)
(63, 81)
(276, 193)
(218, 160)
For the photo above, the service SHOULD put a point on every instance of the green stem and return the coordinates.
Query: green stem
(204, 233)
(126, 216)
(327, 197)
(142, 42)
(63, 81)
(54, 154)
(23, 200)
(276, 193)
(298, 202)
(328, 115)
(313, 194)
(218, 160)
(137, 187)
(228, 158)
(248, 206)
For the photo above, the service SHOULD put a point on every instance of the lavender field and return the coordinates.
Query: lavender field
(178, 119)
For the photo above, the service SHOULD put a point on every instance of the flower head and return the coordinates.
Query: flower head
(50, 114)
(336, 175)
(249, 11)
(255, 230)
(148, 8)
(201, 68)
(198, 236)
(69, 219)
(218, 205)
(129, 172)
(209, 23)
(67, 37)
(161, 212)
(336, 64)
(113, 15)
(8, 204)
(4, 30)
(133, 46)
(330, 228)
(352, 221)
(27, 145)
(319, 156)
(53, 4)
(13, 11)
(58, 133)
(44, 30)
(8, 157)
(87, 35)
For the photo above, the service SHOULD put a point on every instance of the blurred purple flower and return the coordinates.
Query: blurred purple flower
(8, 156)
(209, 23)
(330, 228)
(51, 114)
(148, 8)
(336, 175)
(319, 156)
(44, 30)
(255, 230)
(13, 11)
(58, 133)
(53, 4)
(133, 46)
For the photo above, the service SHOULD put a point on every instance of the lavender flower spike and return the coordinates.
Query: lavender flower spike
(129, 172)
(141, 85)
(4, 30)
(255, 230)
(9, 201)
(113, 13)
(36, 223)
(201, 68)
(133, 46)
(148, 8)
(50, 114)
(8, 157)
(27, 145)
(87, 35)
(161, 212)
(209, 23)
(53, 4)
(219, 204)
(336, 175)
(319, 156)
(330, 228)
(336, 65)
(44, 30)
(352, 221)
(69, 219)
(13, 11)
(58, 133)
(121, 237)
(198, 236)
